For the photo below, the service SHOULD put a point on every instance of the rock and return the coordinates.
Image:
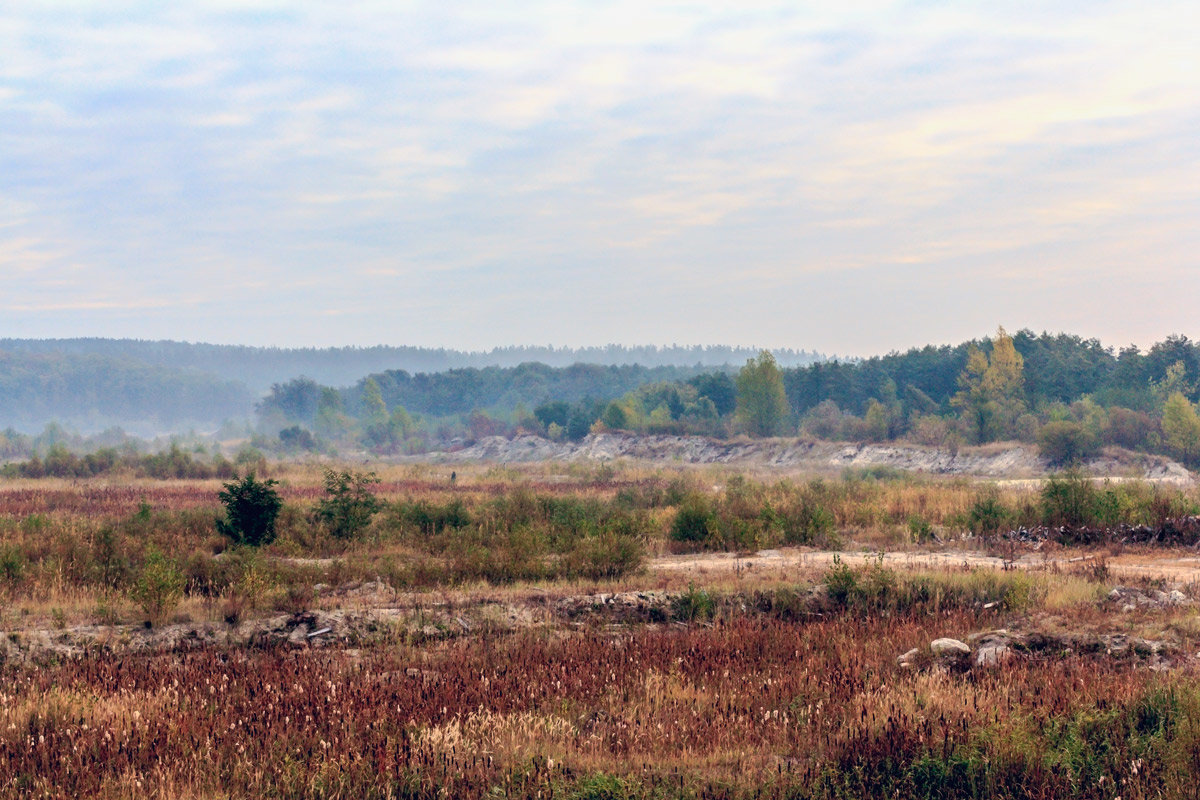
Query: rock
(993, 655)
(949, 647)
(980, 638)
(909, 660)
(299, 636)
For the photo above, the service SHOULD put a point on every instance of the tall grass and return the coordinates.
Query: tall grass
(753, 707)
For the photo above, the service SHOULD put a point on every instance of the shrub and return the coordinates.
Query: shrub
(988, 515)
(159, 586)
(841, 582)
(251, 507)
(694, 522)
(12, 564)
(1070, 499)
(1065, 442)
(919, 529)
(694, 604)
(607, 556)
(349, 505)
(806, 522)
(430, 518)
(1129, 428)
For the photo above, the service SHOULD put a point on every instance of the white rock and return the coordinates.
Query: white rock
(948, 646)
(992, 655)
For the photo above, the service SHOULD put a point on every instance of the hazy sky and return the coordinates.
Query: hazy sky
(470, 174)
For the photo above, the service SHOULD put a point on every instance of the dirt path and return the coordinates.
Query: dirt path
(1176, 566)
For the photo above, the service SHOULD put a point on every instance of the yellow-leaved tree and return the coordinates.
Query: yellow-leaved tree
(991, 391)
(762, 405)
(1181, 428)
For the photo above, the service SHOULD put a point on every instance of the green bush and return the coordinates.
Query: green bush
(430, 518)
(251, 507)
(12, 564)
(919, 529)
(606, 556)
(348, 505)
(988, 515)
(159, 586)
(694, 605)
(694, 522)
(841, 582)
(1065, 442)
(805, 522)
(1070, 499)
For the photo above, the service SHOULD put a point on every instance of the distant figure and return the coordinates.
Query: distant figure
(453, 477)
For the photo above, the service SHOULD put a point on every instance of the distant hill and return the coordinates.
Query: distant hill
(93, 392)
(149, 387)
(259, 367)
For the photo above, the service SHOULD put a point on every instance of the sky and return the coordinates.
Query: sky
(851, 177)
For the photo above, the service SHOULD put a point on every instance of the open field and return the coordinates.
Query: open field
(603, 632)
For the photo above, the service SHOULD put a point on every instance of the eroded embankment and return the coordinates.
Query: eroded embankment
(991, 461)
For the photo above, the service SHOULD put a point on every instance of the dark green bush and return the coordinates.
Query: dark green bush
(841, 582)
(1064, 442)
(694, 605)
(251, 507)
(694, 522)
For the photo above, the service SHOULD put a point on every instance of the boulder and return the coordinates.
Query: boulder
(299, 636)
(992, 655)
(949, 647)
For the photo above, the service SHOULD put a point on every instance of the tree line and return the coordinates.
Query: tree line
(257, 368)
(1071, 396)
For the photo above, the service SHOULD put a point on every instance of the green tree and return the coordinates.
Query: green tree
(991, 391)
(374, 409)
(348, 505)
(1181, 428)
(159, 586)
(762, 405)
(331, 419)
(251, 507)
(615, 417)
(717, 387)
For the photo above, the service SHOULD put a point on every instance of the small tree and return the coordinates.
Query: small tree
(762, 404)
(159, 587)
(251, 507)
(349, 503)
(991, 391)
(1181, 428)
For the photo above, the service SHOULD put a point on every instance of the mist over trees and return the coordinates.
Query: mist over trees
(93, 392)
(258, 368)
(1068, 395)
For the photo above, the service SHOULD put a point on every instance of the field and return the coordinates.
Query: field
(602, 632)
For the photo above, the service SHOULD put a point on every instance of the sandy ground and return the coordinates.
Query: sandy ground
(1175, 566)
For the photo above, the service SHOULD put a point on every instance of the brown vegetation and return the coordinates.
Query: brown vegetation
(600, 682)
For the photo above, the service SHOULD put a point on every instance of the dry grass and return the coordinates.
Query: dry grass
(751, 703)
(778, 698)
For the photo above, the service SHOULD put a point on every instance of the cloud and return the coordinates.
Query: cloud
(443, 158)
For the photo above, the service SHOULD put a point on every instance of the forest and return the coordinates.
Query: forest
(1069, 395)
